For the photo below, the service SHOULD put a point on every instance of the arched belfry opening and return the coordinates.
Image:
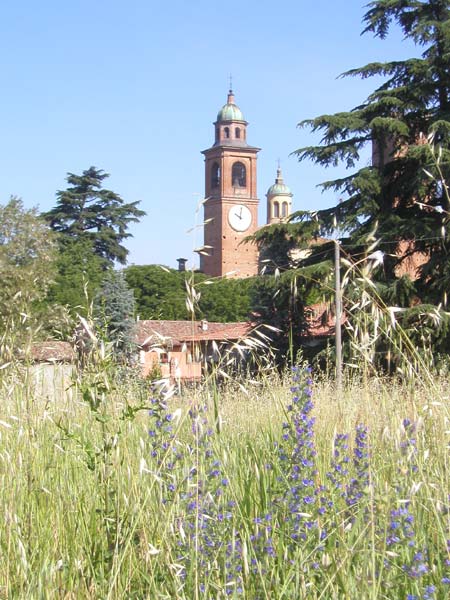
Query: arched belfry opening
(215, 175)
(239, 175)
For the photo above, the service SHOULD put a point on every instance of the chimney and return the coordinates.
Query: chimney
(204, 325)
(182, 264)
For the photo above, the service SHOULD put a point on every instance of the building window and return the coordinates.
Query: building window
(276, 210)
(215, 175)
(226, 132)
(284, 209)
(239, 175)
(237, 132)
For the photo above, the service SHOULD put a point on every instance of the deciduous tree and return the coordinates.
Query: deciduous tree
(161, 294)
(27, 258)
(79, 274)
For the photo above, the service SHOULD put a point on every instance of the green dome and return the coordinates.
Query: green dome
(279, 188)
(229, 111)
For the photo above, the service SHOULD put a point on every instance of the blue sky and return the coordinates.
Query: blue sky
(134, 87)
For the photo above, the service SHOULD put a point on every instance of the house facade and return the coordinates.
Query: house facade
(182, 350)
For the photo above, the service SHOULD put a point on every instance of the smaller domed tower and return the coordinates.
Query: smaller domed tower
(279, 201)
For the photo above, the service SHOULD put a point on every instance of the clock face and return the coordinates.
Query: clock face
(239, 217)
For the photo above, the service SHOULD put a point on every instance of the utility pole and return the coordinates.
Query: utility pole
(338, 311)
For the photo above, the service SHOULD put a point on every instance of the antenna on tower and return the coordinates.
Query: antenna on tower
(230, 77)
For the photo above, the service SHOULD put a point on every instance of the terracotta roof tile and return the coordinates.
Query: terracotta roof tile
(52, 351)
(150, 332)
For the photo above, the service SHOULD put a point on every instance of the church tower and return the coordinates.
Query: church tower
(231, 205)
(279, 201)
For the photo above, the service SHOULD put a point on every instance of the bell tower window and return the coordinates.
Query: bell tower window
(226, 132)
(239, 175)
(215, 175)
(284, 209)
(276, 210)
(237, 132)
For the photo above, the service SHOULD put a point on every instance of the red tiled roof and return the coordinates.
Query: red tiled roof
(151, 332)
(52, 351)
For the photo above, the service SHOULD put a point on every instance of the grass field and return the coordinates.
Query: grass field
(279, 488)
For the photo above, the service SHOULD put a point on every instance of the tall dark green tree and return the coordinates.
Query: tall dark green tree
(87, 212)
(92, 224)
(403, 196)
(402, 199)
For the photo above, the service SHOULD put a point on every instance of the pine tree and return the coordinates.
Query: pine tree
(87, 212)
(114, 309)
(402, 199)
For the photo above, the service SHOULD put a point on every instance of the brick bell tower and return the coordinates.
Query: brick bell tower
(231, 206)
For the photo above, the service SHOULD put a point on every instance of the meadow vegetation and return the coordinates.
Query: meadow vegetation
(284, 489)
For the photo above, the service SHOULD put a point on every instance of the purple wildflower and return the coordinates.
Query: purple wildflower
(360, 481)
(340, 462)
(209, 520)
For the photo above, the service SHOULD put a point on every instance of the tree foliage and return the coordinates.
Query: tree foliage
(280, 301)
(399, 204)
(226, 300)
(79, 275)
(403, 195)
(92, 224)
(87, 212)
(27, 257)
(161, 294)
(114, 310)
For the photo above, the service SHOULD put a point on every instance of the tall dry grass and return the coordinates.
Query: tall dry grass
(88, 510)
